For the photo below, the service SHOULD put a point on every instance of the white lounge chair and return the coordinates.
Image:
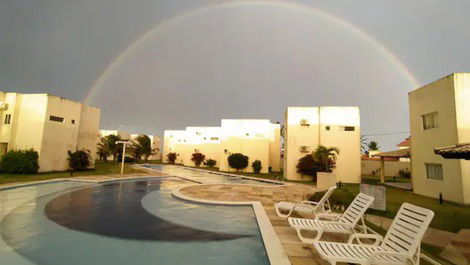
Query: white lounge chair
(338, 223)
(305, 207)
(400, 245)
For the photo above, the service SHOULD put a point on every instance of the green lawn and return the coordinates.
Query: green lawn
(101, 168)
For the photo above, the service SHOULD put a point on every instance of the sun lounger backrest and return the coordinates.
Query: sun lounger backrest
(324, 198)
(356, 209)
(407, 229)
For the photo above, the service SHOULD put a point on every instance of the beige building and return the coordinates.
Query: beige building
(440, 116)
(308, 127)
(50, 125)
(257, 139)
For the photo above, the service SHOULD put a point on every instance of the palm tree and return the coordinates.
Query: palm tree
(142, 146)
(326, 156)
(103, 151)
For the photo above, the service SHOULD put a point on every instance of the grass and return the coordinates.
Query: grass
(101, 168)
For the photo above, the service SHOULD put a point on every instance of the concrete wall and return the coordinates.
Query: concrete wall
(462, 109)
(372, 167)
(31, 127)
(326, 126)
(89, 130)
(257, 139)
(438, 96)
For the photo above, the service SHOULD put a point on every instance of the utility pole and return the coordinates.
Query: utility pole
(124, 143)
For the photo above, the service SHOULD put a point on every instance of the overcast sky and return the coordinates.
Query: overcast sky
(159, 65)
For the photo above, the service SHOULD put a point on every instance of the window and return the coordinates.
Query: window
(430, 120)
(327, 128)
(348, 128)
(214, 138)
(73, 121)
(434, 171)
(56, 118)
(7, 119)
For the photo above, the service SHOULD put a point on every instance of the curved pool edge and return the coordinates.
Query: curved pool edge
(272, 244)
(278, 183)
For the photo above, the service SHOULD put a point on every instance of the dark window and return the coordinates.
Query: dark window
(327, 128)
(214, 138)
(73, 121)
(55, 118)
(349, 128)
(7, 118)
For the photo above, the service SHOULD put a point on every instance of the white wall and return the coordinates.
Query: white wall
(326, 127)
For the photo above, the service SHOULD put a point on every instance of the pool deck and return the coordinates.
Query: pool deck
(298, 253)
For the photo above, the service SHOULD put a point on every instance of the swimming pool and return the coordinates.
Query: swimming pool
(126, 222)
(207, 177)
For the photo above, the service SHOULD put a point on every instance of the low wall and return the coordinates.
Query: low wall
(372, 167)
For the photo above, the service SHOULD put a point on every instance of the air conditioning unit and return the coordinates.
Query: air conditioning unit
(305, 149)
(304, 122)
(3, 106)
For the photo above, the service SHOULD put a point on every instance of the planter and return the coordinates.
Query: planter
(325, 180)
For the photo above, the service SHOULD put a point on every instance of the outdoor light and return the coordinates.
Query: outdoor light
(123, 153)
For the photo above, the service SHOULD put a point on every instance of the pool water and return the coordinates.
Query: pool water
(206, 177)
(127, 222)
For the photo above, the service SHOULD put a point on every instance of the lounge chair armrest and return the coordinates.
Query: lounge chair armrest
(310, 202)
(377, 238)
(328, 216)
(402, 256)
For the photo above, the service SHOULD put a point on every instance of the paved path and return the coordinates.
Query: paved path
(298, 253)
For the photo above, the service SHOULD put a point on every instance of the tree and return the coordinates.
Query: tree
(210, 162)
(364, 145)
(198, 158)
(373, 146)
(307, 166)
(325, 156)
(256, 165)
(171, 157)
(107, 146)
(79, 160)
(141, 146)
(238, 161)
(103, 150)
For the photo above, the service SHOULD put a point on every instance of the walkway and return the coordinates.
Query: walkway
(298, 253)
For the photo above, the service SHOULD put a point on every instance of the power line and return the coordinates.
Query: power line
(390, 133)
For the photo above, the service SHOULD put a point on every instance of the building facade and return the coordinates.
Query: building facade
(50, 125)
(257, 139)
(308, 127)
(440, 116)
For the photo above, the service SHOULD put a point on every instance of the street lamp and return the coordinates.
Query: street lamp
(124, 143)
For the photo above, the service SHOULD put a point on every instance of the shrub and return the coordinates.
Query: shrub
(238, 161)
(20, 162)
(79, 160)
(256, 165)
(198, 158)
(171, 157)
(210, 162)
(307, 166)
(129, 159)
(404, 173)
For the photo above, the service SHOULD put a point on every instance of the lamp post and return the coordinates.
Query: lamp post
(124, 143)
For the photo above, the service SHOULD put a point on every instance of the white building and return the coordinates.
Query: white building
(308, 127)
(440, 117)
(50, 125)
(257, 139)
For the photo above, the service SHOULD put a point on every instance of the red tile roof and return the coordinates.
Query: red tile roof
(405, 143)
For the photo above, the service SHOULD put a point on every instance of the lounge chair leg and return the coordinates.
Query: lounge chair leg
(309, 240)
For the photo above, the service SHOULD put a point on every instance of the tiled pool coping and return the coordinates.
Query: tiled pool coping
(272, 244)
(278, 183)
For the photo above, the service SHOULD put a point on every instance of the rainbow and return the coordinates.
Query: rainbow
(363, 35)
